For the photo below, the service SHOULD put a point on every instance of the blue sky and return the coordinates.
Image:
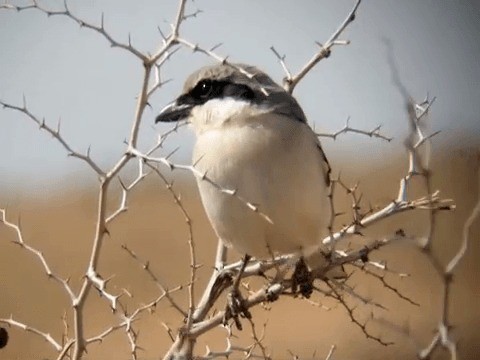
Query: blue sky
(72, 74)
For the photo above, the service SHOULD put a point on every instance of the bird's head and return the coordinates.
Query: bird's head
(229, 93)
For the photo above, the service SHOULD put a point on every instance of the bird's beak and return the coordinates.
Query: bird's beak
(174, 112)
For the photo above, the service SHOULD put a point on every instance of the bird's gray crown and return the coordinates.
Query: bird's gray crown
(233, 73)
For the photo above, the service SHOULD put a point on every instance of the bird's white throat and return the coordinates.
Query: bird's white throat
(217, 113)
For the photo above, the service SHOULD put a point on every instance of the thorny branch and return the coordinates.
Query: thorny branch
(348, 129)
(384, 282)
(291, 81)
(418, 166)
(21, 242)
(46, 336)
(191, 245)
(363, 326)
(35, 5)
(165, 292)
(56, 134)
(442, 336)
(200, 318)
(92, 278)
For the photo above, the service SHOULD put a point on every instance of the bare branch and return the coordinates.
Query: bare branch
(348, 129)
(101, 286)
(281, 59)
(385, 284)
(21, 242)
(56, 134)
(395, 207)
(465, 235)
(172, 39)
(165, 292)
(197, 48)
(290, 82)
(201, 317)
(330, 353)
(97, 28)
(354, 319)
(191, 245)
(126, 190)
(262, 295)
(158, 81)
(46, 336)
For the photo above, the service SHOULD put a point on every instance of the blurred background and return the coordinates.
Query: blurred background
(72, 74)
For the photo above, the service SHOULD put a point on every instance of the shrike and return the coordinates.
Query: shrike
(252, 137)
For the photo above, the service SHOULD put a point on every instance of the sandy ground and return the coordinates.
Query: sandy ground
(62, 226)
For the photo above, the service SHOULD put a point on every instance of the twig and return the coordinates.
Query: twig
(125, 191)
(330, 353)
(350, 311)
(290, 82)
(46, 336)
(55, 134)
(381, 278)
(21, 242)
(97, 28)
(146, 266)
(191, 245)
(395, 207)
(348, 129)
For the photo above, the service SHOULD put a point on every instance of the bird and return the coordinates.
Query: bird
(252, 137)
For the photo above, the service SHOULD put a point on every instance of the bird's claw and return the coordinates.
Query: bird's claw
(236, 308)
(302, 278)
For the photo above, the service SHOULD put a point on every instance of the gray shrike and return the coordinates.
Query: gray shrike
(252, 137)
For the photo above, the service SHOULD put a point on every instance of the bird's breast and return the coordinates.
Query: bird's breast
(273, 164)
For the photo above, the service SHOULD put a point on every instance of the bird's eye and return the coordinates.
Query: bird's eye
(203, 89)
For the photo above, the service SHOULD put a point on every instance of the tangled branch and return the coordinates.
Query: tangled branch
(202, 314)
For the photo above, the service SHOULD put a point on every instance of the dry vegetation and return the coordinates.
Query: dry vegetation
(133, 291)
(151, 228)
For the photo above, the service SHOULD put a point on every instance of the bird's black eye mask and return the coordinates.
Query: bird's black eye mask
(204, 91)
(215, 89)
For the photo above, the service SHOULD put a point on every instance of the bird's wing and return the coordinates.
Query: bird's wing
(325, 164)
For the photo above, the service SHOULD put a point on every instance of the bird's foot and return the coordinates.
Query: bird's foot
(236, 305)
(302, 279)
(236, 308)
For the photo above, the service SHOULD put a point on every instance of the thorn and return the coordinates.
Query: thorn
(347, 121)
(161, 33)
(359, 200)
(216, 47)
(400, 232)
(122, 183)
(171, 153)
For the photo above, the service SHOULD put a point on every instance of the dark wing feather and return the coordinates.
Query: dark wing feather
(326, 165)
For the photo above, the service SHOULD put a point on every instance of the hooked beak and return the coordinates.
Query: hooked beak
(174, 112)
